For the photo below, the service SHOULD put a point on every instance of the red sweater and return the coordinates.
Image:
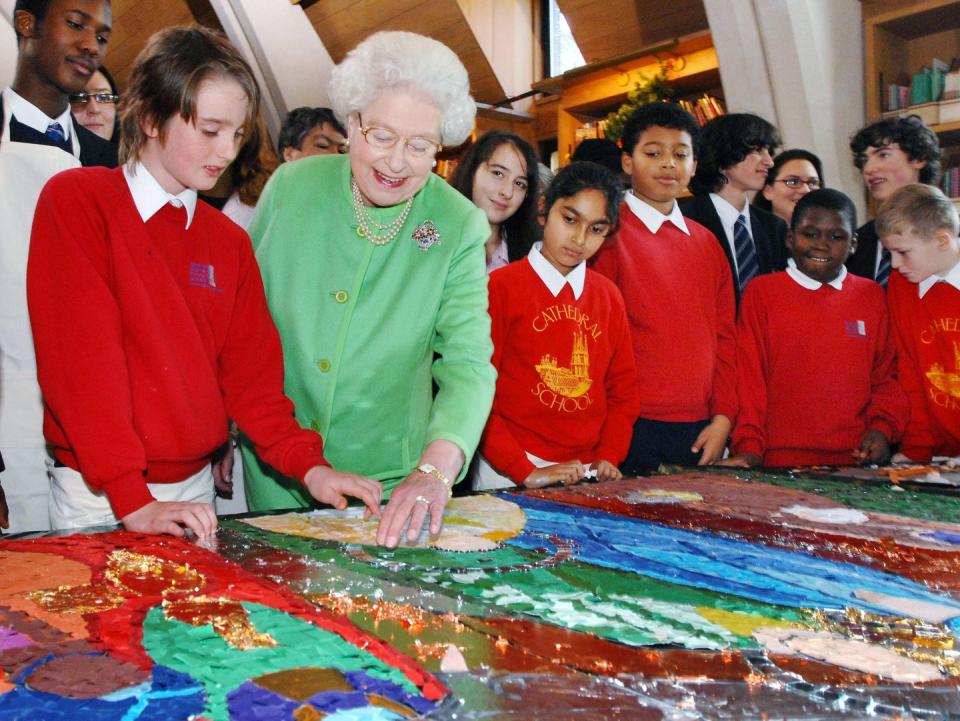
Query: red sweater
(566, 383)
(816, 371)
(927, 332)
(148, 336)
(679, 297)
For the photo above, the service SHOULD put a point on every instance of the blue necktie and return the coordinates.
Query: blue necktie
(883, 270)
(747, 264)
(55, 132)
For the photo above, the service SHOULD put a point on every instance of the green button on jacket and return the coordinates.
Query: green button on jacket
(403, 319)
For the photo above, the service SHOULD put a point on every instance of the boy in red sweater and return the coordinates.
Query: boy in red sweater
(566, 395)
(919, 226)
(679, 296)
(815, 357)
(148, 312)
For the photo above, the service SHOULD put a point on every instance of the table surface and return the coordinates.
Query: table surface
(695, 595)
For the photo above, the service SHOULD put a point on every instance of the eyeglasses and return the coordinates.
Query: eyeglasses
(101, 98)
(385, 139)
(794, 182)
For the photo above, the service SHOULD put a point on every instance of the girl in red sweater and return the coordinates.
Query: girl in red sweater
(148, 312)
(815, 356)
(566, 396)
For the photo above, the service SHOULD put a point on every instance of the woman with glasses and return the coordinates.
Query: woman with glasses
(374, 272)
(96, 107)
(794, 174)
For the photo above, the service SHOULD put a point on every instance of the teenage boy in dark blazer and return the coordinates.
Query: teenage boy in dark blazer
(734, 160)
(60, 43)
(890, 153)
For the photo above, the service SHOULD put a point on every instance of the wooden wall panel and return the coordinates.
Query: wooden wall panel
(341, 24)
(134, 21)
(611, 28)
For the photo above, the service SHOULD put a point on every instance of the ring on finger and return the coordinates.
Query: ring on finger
(422, 499)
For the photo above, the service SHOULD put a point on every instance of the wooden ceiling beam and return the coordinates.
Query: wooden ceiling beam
(342, 24)
(619, 27)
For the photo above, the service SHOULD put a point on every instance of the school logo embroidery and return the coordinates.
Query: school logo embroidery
(202, 276)
(570, 382)
(855, 328)
(564, 387)
(944, 380)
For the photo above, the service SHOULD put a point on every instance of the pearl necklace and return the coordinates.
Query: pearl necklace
(383, 233)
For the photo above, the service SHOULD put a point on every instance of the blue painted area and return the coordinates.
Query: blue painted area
(172, 695)
(709, 561)
(250, 702)
(367, 683)
(942, 537)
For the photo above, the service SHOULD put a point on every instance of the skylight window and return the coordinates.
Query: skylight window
(564, 53)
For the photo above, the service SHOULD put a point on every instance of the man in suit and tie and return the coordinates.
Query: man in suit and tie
(890, 153)
(60, 43)
(735, 158)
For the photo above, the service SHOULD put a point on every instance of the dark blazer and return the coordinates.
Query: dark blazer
(864, 261)
(94, 150)
(769, 235)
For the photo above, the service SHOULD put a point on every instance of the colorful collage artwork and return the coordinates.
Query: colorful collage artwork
(686, 596)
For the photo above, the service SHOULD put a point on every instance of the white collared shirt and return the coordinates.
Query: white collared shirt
(149, 196)
(15, 105)
(553, 278)
(728, 219)
(809, 283)
(653, 218)
(952, 278)
(500, 256)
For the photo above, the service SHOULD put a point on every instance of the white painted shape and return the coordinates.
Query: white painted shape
(827, 515)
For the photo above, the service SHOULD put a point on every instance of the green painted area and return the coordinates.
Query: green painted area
(202, 653)
(614, 605)
(876, 497)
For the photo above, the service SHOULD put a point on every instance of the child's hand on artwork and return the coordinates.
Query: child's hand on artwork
(332, 488)
(744, 460)
(4, 511)
(568, 474)
(606, 471)
(712, 440)
(874, 449)
(169, 517)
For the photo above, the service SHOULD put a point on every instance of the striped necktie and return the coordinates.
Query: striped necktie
(747, 264)
(883, 270)
(55, 132)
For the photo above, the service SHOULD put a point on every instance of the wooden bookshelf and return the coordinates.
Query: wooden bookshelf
(589, 94)
(902, 36)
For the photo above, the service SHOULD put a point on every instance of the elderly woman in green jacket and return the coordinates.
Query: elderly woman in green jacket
(374, 270)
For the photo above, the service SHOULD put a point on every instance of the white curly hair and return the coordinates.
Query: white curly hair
(400, 59)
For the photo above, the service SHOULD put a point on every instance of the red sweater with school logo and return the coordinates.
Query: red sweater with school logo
(816, 371)
(566, 383)
(679, 297)
(148, 337)
(927, 332)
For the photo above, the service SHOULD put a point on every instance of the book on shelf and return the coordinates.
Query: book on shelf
(951, 182)
(704, 108)
(934, 82)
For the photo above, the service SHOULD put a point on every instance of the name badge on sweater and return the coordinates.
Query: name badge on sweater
(855, 328)
(202, 276)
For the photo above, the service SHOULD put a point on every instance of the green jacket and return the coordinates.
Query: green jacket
(368, 330)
